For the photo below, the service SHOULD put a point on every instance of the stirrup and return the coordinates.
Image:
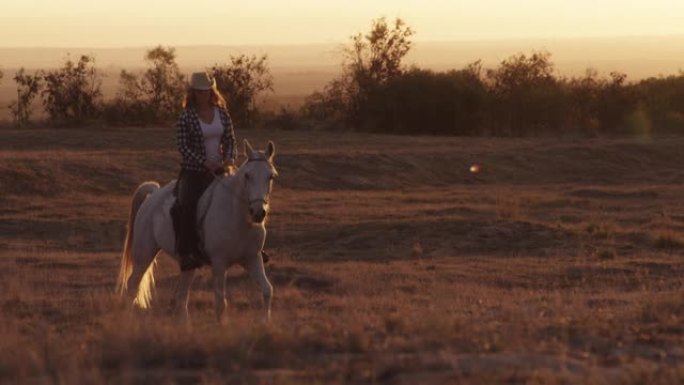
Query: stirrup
(193, 259)
(200, 255)
(189, 262)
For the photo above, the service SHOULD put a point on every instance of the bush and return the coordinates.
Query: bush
(662, 102)
(241, 82)
(163, 83)
(370, 62)
(28, 87)
(615, 103)
(72, 93)
(526, 97)
(425, 102)
(155, 97)
(132, 105)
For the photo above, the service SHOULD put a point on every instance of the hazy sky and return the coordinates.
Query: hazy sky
(95, 23)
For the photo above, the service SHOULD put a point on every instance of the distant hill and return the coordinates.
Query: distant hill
(191, 57)
(637, 56)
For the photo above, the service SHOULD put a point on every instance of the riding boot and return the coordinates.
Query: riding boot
(186, 241)
(183, 240)
(191, 186)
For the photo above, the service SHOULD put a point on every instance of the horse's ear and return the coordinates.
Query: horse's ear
(248, 149)
(270, 150)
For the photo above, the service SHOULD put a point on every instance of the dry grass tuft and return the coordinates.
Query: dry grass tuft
(668, 241)
(599, 230)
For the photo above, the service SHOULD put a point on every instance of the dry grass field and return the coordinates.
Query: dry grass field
(559, 262)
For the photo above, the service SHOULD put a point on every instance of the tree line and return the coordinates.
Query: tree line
(522, 96)
(71, 95)
(377, 92)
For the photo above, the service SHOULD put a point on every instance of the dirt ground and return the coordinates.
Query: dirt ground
(559, 261)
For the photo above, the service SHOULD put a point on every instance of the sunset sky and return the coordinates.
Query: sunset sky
(91, 23)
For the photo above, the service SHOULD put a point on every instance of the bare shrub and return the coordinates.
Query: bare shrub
(599, 230)
(131, 104)
(72, 93)
(152, 97)
(163, 82)
(28, 87)
(668, 240)
(241, 81)
(369, 61)
(526, 96)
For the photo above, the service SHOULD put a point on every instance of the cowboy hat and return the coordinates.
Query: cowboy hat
(201, 81)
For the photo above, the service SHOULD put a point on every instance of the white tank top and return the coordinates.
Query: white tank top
(212, 137)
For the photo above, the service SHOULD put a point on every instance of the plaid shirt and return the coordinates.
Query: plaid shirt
(190, 140)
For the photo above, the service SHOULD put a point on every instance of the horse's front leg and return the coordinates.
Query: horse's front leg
(219, 278)
(255, 266)
(183, 294)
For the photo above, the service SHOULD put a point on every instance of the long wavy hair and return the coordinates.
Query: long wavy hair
(216, 99)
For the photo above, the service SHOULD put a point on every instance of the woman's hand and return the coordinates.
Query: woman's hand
(229, 165)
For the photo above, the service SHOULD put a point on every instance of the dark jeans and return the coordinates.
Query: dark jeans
(189, 188)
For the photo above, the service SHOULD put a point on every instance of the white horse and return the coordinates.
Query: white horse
(231, 216)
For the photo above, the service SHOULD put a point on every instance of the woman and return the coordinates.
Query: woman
(206, 143)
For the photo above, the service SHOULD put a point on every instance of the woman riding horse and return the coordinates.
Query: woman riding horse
(206, 142)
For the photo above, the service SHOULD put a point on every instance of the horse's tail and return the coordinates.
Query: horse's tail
(145, 289)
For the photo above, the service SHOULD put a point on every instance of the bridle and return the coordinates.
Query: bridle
(260, 200)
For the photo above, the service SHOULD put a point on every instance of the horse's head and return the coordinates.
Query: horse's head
(258, 173)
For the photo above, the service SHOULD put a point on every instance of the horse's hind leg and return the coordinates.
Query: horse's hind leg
(255, 267)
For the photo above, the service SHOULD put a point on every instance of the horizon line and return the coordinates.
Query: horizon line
(304, 44)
